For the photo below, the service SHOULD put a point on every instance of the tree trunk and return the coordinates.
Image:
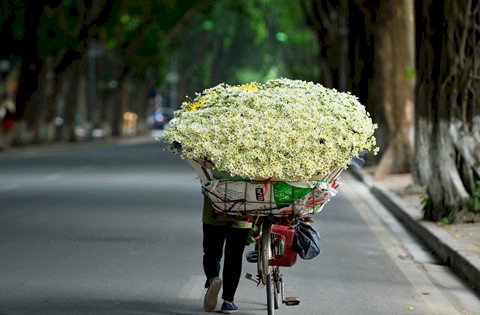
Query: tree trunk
(360, 38)
(327, 20)
(380, 38)
(31, 62)
(71, 103)
(394, 82)
(144, 106)
(361, 35)
(120, 99)
(447, 138)
(34, 113)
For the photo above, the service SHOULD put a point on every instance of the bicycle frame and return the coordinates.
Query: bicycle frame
(269, 274)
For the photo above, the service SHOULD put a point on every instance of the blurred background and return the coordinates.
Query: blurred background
(97, 217)
(76, 71)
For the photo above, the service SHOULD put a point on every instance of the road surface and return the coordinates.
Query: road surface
(116, 229)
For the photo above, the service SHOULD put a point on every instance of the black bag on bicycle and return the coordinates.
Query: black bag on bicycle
(306, 242)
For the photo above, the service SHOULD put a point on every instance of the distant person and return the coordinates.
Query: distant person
(222, 234)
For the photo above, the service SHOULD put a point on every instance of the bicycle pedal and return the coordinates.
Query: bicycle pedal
(255, 279)
(291, 301)
(252, 256)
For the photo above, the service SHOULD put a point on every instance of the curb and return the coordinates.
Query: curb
(449, 250)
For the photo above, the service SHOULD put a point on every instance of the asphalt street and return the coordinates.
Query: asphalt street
(116, 229)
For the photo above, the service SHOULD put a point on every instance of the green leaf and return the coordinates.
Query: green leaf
(125, 19)
(281, 36)
(444, 221)
(208, 25)
(410, 73)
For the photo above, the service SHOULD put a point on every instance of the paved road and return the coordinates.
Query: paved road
(115, 229)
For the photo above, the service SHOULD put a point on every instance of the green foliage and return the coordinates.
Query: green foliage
(247, 74)
(58, 29)
(213, 41)
(444, 221)
(281, 36)
(410, 73)
(424, 201)
(474, 201)
(18, 25)
(208, 25)
(136, 36)
(225, 41)
(12, 27)
(255, 40)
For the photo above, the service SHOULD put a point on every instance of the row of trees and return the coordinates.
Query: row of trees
(447, 156)
(100, 54)
(413, 63)
(416, 66)
(86, 63)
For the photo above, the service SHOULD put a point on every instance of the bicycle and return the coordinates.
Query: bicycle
(274, 215)
(273, 249)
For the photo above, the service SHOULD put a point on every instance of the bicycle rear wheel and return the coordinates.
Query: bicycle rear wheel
(267, 269)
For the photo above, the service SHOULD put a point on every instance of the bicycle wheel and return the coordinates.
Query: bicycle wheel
(266, 255)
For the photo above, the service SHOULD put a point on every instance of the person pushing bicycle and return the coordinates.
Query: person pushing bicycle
(227, 238)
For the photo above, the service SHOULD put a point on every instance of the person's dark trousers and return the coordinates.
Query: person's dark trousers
(235, 239)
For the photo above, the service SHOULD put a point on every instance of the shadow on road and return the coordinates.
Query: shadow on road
(104, 307)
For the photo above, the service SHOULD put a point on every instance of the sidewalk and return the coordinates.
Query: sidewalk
(456, 245)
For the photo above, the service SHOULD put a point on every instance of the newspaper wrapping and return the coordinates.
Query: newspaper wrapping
(237, 196)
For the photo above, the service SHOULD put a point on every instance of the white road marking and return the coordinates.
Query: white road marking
(193, 289)
(10, 187)
(55, 176)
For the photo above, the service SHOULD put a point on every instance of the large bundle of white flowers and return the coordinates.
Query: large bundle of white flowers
(289, 130)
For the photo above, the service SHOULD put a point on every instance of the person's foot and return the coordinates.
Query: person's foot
(211, 297)
(229, 308)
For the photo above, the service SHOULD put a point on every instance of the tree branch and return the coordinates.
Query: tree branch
(84, 33)
(184, 20)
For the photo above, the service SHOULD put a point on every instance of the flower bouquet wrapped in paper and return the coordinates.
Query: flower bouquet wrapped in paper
(284, 131)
